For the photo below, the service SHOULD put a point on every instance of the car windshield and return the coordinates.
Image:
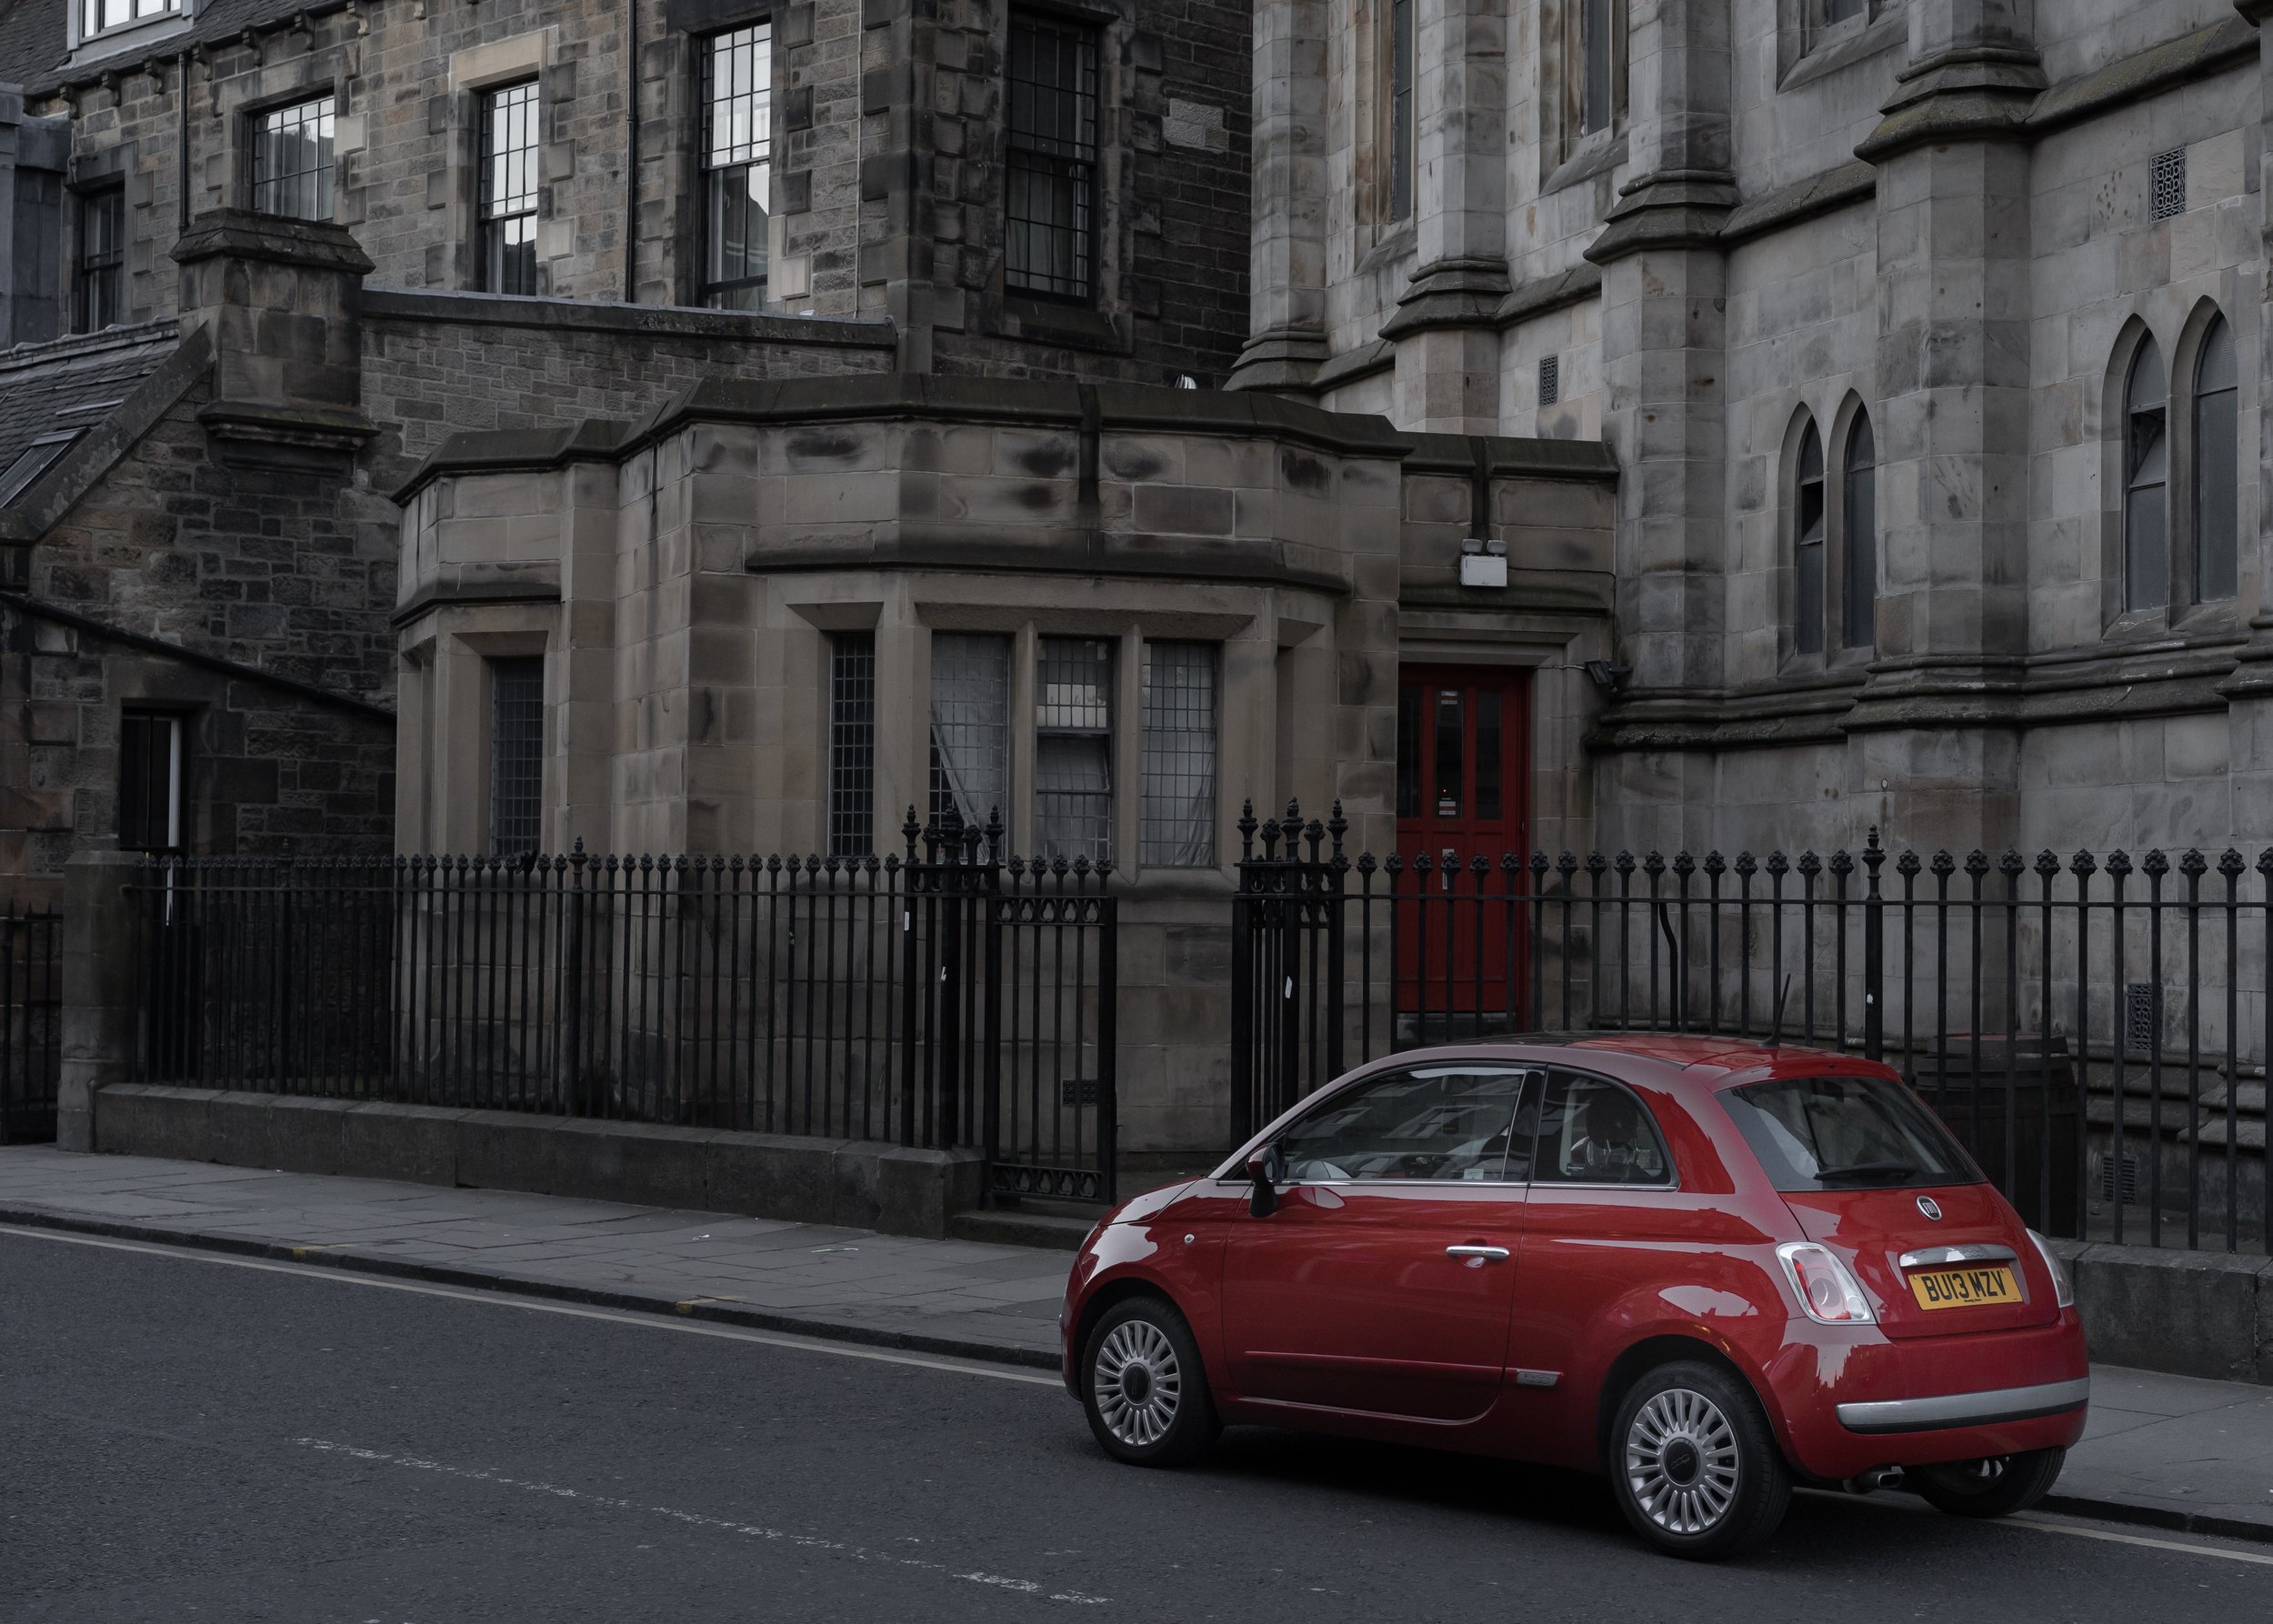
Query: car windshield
(1846, 1133)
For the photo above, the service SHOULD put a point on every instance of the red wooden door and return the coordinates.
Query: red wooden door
(1463, 776)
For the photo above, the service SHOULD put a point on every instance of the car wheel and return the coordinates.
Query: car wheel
(1693, 1465)
(1997, 1487)
(1143, 1385)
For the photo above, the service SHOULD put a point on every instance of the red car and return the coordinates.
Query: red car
(1707, 1267)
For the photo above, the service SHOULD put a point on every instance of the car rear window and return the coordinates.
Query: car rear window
(1846, 1133)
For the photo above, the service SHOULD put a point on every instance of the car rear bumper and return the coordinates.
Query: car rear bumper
(1855, 1402)
(1966, 1409)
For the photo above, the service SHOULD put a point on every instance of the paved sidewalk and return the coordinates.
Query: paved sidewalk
(2169, 1450)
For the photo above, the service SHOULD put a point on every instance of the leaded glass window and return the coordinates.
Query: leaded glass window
(1175, 822)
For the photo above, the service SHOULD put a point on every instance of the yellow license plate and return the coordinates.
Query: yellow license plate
(1965, 1287)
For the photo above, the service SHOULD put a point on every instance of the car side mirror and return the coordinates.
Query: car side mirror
(1265, 1168)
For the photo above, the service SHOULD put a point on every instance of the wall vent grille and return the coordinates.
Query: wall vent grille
(2169, 188)
(2142, 1018)
(1550, 379)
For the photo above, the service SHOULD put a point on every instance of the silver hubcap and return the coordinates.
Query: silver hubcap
(1138, 1382)
(1681, 1461)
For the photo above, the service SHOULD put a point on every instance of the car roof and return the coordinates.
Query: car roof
(1712, 1060)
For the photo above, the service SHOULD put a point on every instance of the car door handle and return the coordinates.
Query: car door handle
(1478, 1254)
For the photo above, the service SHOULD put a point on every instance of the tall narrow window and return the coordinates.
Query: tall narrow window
(1050, 241)
(1597, 40)
(852, 744)
(1400, 110)
(150, 779)
(1808, 547)
(102, 259)
(516, 755)
(1858, 538)
(2216, 467)
(737, 169)
(1073, 749)
(970, 727)
(1176, 816)
(2146, 475)
(509, 195)
(291, 160)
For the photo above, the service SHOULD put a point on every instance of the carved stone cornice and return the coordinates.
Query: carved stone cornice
(1281, 358)
(1450, 293)
(1979, 93)
(1672, 208)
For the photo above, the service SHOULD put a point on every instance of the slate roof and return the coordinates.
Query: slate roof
(32, 50)
(74, 383)
(32, 45)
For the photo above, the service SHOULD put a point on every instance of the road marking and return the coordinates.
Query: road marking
(2039, 1523)
(1024, 1587)
(503, 1298)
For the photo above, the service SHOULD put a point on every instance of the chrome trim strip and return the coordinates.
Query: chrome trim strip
(1972, 1252)
(1537, 1378)
(1966, 1409)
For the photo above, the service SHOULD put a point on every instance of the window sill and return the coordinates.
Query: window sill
(1077, 327)
(1851, 42)
(1394, 250)
(1598, 157)
(137, 35)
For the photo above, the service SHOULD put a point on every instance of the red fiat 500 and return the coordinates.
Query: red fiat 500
(1708, 1268)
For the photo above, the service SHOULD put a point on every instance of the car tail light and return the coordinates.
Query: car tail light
(2063, 1288)
(1826, 1290)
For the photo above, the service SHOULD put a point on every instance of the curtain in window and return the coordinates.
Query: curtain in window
(1177, 820)
(2216, 467)
(970, 726)
(2146, 475)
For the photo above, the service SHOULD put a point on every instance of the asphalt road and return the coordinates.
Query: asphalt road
(186, 1440)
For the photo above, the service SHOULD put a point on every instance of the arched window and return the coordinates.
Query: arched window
(1858, 538)
(1808, 547)
(2217, 469)
(2146, 474)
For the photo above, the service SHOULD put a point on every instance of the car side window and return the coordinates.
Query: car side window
(1595, 1131)
(1437, 1122)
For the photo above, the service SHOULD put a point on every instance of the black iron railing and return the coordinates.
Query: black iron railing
(31, 1020)
(939, 997)
(2095, 1030)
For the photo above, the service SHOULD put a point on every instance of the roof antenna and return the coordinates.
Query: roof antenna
(1776, 1036)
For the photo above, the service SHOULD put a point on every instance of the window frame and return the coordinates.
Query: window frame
(494, 790)
(709, 291)
(848, 809)
(1034, 154)
(85, 30)
(1110, 733)
(1563, 105)
(1398, 129)
(2190, 589)
(84, 272)
(1532, 1075)
(177, 809)
(492, 224)
(1147, 719)
(1851, 562)
(327, 172)
(2132, 457)
(1809, 496)
(1648, 1117)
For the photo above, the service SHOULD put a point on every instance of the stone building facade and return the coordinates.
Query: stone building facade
(264, 258)
(775, 616)
(1928, 336)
